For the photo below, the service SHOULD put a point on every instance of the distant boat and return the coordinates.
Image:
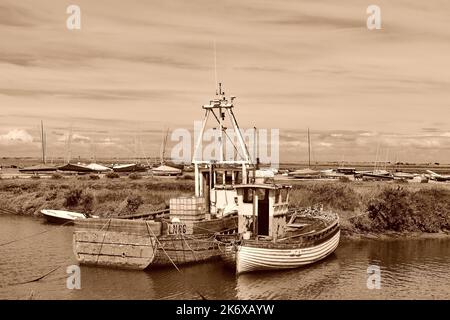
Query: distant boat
(98, 167)
(376, 175)
(346, 170)
(404, 175)
(437, 177)
(164, 170)
(39, 168)
(75, 168)
(60, 216)
(129, 167)
(305, 174)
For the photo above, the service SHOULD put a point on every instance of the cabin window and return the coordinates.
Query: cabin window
(284, 193)
(248, 196)
(277, 196)
(237, 177)
(228, 177)
(219, 178)
(262, 194)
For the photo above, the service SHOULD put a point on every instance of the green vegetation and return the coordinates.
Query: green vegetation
(363, 207)
(112, 175)
(135, 176)
(103, 197)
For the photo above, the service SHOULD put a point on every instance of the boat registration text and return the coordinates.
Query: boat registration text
(177, 228)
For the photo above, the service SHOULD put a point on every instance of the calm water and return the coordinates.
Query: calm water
(410, 269)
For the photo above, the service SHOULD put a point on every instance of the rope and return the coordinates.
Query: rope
(170, 259)
(32, 235)
(36, 279)
(187, 244)
(160, 245)
(103, 240)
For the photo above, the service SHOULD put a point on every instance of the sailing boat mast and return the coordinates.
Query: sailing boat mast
(309, 150)
(43, 142)
(163, 147)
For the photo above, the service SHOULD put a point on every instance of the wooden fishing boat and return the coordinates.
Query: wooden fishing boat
(271, 237)
(138, 244)
(185, 234)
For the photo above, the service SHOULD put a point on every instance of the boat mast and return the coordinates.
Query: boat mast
(43, 142)
(309, 150)
(219, 107)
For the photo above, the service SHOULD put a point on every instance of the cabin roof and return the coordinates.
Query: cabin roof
(262, 186)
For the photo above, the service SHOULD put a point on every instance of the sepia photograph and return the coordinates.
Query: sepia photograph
(239, 151)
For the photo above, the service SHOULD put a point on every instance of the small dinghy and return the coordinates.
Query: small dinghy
(61, 216)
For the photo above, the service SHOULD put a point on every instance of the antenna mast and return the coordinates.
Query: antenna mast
(215, 67)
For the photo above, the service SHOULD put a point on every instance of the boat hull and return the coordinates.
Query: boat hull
(58, 220)
(140, 244)
(253, 258)
(61, 217)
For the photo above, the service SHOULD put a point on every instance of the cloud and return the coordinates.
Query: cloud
(75, 138)
(16, 136)
(325, 144)
(368, 134)
(108, 141)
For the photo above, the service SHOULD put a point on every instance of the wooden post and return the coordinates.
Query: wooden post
(255, 204)
(197, 182)
(244, 174)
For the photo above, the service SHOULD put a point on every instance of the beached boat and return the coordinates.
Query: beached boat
(271, 237)
(61, 216)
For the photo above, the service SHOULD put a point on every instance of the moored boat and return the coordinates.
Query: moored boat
(138, 244)
(61, 216)
(187, 233)
(271, 237)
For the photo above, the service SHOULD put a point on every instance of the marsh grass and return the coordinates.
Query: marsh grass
(362, 206)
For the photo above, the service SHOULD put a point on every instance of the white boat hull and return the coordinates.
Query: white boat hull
(250, 258)
(61, 216)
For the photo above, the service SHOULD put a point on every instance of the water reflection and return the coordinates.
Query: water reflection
(410, 269)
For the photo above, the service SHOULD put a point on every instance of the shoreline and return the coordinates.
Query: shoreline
(346, 236)
(392, 235)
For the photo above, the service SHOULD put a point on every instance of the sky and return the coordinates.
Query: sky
(136, 68)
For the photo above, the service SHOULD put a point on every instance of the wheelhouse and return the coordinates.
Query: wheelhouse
(263, 210)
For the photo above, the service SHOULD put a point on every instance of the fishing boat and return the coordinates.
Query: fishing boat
(272, 237)
(186, 233)
(62, 217)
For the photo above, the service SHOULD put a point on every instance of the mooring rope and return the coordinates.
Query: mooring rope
(187, 244)
(38, 278)
(103, 240)
(33, 235)
(173, 263)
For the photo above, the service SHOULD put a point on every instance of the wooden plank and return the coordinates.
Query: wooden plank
(121, 250)
(120, 225)
(95, 236)
(143, 215)
(114, 261)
